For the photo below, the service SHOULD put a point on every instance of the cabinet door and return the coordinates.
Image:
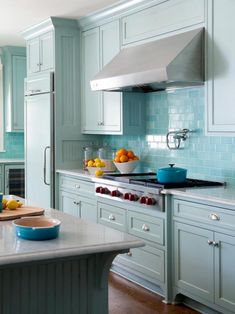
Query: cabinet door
(88, 208)
(18, 75)
(220, 67)
(91, 101)
(224, 271)
(111, 109)
(193, 259)
(46, 52)
(68, 203)
(33, 63)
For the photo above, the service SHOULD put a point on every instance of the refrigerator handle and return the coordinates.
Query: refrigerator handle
(45, 164)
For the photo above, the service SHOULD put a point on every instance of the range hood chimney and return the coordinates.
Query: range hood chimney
(173, 62)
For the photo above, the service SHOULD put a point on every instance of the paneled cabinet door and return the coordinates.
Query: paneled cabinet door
(91, 101)
(220, 68)
(88, 209)
(194, 260)
(40, 53)
(68, 203)
(224, 271)
(18, 76)
(102, 111)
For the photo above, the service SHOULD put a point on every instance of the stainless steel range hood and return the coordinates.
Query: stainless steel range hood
(172, 62)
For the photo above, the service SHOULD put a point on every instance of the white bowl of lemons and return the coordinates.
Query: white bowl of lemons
(95, 167)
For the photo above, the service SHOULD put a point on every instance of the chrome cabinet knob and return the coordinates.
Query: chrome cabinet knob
(111, 217)
(77, 186)
(215, 244)
(145, 227)
(214, 216)
(210, 242)
(129, 253)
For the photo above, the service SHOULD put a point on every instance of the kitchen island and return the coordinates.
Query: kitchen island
(61, 276)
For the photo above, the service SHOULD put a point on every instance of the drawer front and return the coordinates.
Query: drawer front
(77, 186)
(112, 216)
(204, 213)
(146, 261)
(160, 19)
(146, 227)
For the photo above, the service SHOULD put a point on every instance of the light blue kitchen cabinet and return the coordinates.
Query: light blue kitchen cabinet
(77, 197)
(14, 59)
(203, 253)
(161, 18)
(40, 53)
(193, 258)
(106, 112)
(220, 67)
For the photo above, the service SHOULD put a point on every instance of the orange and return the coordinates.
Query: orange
(130, 154)
(124, 158)
(117, 159)
(121, 152)
(136, 158)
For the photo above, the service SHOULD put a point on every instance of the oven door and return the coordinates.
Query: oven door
(15, 180)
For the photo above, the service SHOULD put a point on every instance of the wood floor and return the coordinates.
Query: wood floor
(126, 297)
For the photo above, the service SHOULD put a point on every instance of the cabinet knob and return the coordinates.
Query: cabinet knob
(145, 227)
(111, 217)
(77, 186)
(210, 242)
(214, 216)
(216, 244)
(129, 253)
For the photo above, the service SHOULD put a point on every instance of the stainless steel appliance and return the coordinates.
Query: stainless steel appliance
(171, 62)
(39, 140)
(142, 189)
(15, 180)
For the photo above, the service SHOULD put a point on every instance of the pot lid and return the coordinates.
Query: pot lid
(172, 168)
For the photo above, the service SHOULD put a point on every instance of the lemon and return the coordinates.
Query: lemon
(99, 172)
(102, 164)
(20, 204)
(12, 204)
(4, 203)
(98, 164)
(97, 160)
(90, 163)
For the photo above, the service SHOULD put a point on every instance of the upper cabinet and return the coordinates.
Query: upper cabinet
(220, 68)
(40, 53)
(165, 17)
(104, 112)
(14, 74)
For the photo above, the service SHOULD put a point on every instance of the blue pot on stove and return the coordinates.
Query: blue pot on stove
(171, 174)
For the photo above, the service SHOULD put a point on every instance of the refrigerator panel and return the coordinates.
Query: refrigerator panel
(38, 149)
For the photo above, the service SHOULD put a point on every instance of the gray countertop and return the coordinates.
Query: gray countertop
(77, 237)
(222, 195)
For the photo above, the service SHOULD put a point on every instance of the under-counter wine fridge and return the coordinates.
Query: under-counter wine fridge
(15, 180)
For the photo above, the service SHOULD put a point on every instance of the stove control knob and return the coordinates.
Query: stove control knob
(104, 191)
(133, 197)
(143, 200)
(126, 196)
(116, 193)
(98, 189)
(150, 201)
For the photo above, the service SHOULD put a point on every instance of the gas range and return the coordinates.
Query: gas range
(142, 189)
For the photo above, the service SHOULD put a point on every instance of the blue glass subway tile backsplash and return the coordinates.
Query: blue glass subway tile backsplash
(205, 157)
(14, 146)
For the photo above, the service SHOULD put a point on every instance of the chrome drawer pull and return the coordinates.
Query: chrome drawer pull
(129, 253)
(214, 217)
(145, 227)
(111, 217)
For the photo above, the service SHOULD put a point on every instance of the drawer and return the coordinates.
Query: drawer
(161, 19)
(147, 227)
(78, 186)
(112, 216)
(212, 215)
(146, 261)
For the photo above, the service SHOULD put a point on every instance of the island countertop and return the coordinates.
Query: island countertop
(77, 237)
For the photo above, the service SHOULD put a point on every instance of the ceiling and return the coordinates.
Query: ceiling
(17, 15)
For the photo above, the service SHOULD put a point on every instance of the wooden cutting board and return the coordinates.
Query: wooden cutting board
(7, 214)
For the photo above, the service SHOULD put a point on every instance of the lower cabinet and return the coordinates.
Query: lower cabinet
(73, 200)
(204, 256)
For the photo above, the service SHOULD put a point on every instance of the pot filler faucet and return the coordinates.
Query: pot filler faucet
(174, 138)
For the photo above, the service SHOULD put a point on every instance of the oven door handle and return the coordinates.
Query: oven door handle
(45, 165)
